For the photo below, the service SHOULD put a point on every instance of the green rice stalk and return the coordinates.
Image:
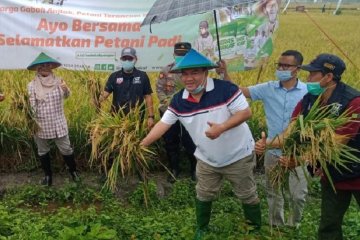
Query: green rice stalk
(312, 140)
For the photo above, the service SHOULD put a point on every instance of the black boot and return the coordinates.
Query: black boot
(70, 162)
(46, 166)
(47, 181)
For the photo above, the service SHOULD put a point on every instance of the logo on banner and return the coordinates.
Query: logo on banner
(119, 80)
(136, 80)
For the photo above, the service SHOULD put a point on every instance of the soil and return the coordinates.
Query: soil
(91, 179)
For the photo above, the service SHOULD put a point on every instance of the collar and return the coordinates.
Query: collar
(279, 85)
(209, 87)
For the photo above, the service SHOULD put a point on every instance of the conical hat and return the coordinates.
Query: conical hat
(43, 58)
(193, 59)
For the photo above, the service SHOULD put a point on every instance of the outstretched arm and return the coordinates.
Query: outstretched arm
(156, 132)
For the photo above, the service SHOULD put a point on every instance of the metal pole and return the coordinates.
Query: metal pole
(217, 35)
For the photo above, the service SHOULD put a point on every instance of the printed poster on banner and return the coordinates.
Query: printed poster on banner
(85, 34)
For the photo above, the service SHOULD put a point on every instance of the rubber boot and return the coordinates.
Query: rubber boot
(203, 213)
(252, 215)
(46, 166)
(70, 162)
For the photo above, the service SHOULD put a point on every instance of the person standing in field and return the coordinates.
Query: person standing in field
(166, 87)
(280, 98)
(129, 87)
(2, 97)
(214, 112)
(46, 95)
(324, 82)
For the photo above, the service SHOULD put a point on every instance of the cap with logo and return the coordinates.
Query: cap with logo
(181, 48)
(41, 59)
(326, 62)
(129, 51)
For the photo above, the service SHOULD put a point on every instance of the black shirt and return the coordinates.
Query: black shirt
(128, 89)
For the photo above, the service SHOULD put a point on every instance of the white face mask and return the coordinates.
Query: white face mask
(128, 65)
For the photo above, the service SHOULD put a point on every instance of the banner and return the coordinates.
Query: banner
(84, 34)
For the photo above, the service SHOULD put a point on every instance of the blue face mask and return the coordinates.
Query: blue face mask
(314, 88)
(178, 59)
(283, 75)
(128, 65)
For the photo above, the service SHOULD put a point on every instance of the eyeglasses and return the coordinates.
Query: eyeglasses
(284, 65)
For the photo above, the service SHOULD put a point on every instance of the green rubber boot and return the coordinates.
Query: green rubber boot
(203, 213)
(252, 214)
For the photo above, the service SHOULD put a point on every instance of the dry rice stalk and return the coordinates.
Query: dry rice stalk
(115, 140)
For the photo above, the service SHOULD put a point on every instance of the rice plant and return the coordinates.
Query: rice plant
(312, 141)
(115, 140)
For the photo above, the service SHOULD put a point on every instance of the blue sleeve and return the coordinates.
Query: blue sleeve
(258, 92)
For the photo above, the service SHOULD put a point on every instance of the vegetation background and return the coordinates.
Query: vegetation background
(84, 211)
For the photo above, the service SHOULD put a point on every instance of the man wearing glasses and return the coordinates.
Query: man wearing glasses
(280, 98)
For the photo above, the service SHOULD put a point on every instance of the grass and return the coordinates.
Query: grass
(83, 212)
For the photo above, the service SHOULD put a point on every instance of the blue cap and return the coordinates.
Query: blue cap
(326, 62)
(193, 59)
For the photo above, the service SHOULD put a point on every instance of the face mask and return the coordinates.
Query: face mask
(178, 59)
(128, 65)
(314, 88)
(283, 75)
(198, 89)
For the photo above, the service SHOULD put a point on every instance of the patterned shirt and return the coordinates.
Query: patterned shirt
(166, 86)
(49, 114)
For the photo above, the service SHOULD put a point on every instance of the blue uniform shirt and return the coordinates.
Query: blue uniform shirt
(279, 103)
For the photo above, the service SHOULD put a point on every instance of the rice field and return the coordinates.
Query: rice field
(311, 33)
(83, 213)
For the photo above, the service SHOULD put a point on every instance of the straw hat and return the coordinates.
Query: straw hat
(43, 58)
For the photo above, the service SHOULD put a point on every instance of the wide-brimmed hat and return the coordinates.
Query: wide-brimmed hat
(326, 62)
(43, 58)
(193, 59)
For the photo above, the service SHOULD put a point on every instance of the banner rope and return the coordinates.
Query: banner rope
(332, 41)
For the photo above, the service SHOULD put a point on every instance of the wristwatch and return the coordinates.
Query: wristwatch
(151, 116)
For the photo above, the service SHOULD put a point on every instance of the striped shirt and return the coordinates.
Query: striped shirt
(49, 114)
(218, 103)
